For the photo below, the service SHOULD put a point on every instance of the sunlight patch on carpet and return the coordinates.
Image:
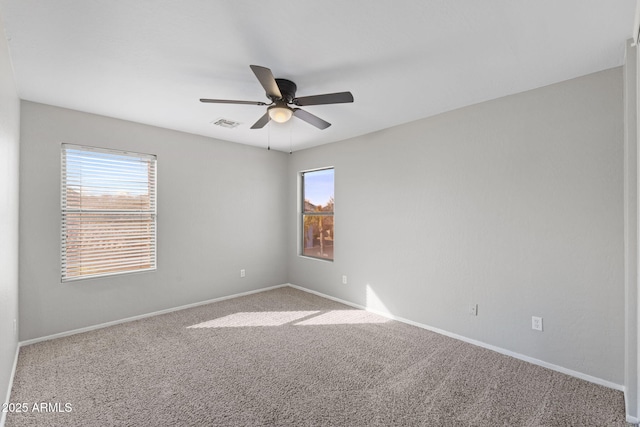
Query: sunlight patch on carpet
(257, 318)
(279, 318)
(343, 317)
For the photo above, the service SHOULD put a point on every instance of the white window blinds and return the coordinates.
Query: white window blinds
(108, 212)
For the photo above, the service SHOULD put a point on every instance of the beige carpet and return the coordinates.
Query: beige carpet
(286, 357)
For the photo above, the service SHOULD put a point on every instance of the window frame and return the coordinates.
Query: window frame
(65, 211)
(303, 213)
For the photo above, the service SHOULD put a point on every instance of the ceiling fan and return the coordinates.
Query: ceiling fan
(282, 93)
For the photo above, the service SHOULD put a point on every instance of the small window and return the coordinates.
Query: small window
(317, 213)
(108, 212)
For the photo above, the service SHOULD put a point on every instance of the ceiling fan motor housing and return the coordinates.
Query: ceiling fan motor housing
(287, 90)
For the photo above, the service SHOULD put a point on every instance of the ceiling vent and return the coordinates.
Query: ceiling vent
(225, 123)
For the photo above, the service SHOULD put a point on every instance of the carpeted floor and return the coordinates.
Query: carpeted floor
(289, 358)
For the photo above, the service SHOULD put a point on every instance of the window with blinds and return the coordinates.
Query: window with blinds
(108, 212)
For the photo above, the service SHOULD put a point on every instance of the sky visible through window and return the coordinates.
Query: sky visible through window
(103, 173)
(318, 187)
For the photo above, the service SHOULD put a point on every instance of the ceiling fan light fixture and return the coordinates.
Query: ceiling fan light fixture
(280, 113)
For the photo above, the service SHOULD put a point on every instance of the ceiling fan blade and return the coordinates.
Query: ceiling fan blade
(310, 118)
(329, 98)
(229, 101)
(262, 121)
(268, 82)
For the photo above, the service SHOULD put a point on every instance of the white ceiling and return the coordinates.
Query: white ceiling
(150, 61)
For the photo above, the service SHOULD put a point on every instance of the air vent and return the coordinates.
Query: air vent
(225, 123)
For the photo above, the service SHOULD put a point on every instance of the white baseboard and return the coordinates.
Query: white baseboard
(143, 316)
(3, 415)
(500, 350)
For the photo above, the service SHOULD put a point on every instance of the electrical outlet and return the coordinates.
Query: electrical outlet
(242, 273)
(473, 309)
(536, 323)
(344, 280)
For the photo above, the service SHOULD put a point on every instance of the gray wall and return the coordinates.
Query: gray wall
(631, 228)
(221, 207)
(514, 204)
(9, 152)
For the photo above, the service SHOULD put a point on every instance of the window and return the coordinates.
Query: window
(317, 214)
(108, 212)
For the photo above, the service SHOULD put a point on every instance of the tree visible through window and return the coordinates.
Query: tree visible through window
(108, 212)
(317, 213)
